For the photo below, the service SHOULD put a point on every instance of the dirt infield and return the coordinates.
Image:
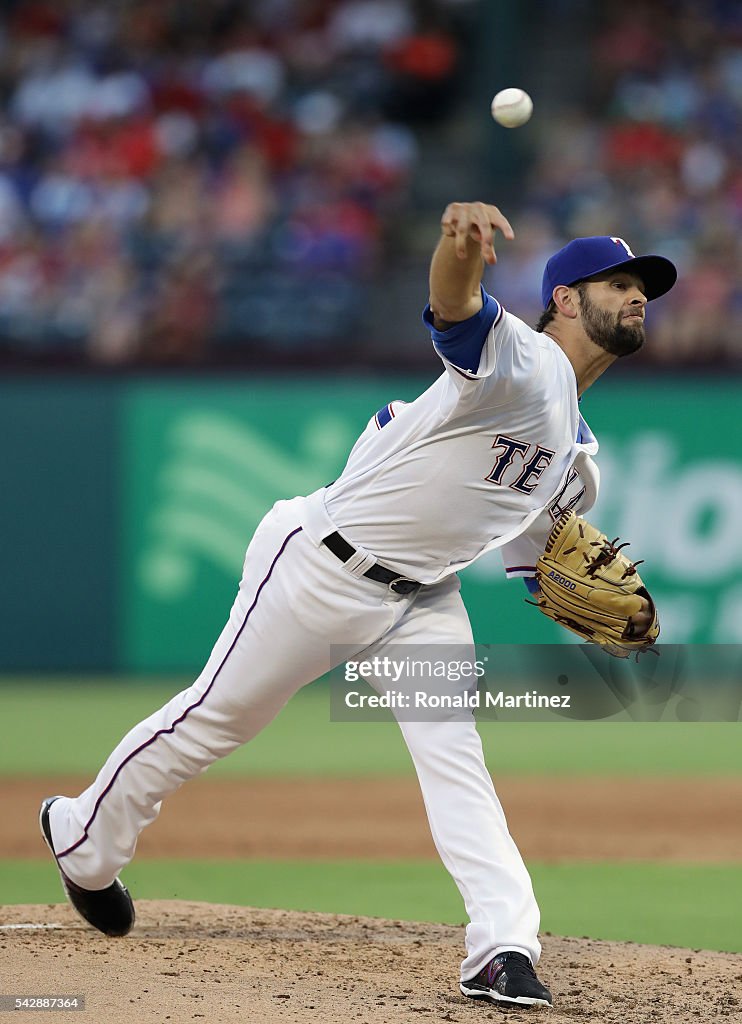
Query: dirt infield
(682, 820)
(202, 962)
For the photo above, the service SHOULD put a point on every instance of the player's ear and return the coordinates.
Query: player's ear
(566, 300)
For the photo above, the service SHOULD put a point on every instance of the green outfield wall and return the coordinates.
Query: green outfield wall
(128, 504)
(59, 522)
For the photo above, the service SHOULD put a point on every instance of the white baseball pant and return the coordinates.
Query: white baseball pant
(296, 599)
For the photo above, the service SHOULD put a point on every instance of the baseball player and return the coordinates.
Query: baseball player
(488, 457)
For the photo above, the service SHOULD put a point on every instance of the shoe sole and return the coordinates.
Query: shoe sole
(490, 996)
(45, 828)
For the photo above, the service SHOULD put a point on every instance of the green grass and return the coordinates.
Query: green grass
(66, 728)
(650, 903)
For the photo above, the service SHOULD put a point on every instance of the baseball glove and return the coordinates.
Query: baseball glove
(588, 585)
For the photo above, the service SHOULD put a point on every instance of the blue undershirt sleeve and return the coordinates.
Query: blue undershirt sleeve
(462, 343)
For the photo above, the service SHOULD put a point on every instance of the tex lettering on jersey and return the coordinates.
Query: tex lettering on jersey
(530, 460)
(559, 506)
(497, 441)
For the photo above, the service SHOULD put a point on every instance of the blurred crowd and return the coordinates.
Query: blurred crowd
(191, 182)
(176, 177)
(653, 153)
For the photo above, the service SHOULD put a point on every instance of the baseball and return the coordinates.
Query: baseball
(511, 107)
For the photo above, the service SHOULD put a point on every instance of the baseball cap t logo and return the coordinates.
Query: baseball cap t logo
(620, 241)
(582, 258)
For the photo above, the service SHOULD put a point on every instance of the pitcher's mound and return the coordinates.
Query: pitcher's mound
(229, 965)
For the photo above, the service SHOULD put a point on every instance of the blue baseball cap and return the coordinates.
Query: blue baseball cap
(584, 257)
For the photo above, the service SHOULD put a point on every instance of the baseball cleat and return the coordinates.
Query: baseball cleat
(508, 980)
(110, 910)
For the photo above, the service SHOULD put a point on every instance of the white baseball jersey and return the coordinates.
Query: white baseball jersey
(476, 460)
(486, 458)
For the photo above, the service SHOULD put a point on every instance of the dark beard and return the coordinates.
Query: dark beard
(608, 329)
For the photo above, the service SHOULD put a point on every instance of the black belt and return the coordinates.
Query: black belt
(399, 584)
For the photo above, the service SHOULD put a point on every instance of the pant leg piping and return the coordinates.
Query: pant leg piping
(162, 732)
